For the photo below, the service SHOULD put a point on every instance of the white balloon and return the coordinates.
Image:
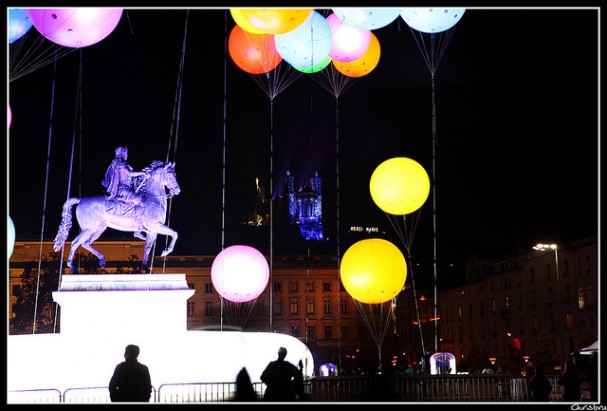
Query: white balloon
(367, 19)
(431, 20)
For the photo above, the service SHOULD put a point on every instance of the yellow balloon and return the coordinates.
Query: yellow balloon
(399, 186)
(242, 21)
(275, 21)
(373, 271)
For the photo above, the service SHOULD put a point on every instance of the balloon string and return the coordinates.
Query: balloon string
(407, 239)
(48, 159)
(174, 136)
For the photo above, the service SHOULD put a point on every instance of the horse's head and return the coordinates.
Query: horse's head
(171, 179)
(163, 175)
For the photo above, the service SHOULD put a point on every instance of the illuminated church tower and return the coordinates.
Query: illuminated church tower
(305, 206)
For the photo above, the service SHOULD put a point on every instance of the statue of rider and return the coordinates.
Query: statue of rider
(119, 183)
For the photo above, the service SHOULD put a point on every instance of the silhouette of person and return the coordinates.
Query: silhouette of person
(571, 380)
(278, 376)
(131, 380)
(591, 373)
(540, 386)
(298, 384)
(244, 387)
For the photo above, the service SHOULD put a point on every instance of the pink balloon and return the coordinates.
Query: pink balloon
(349, 42)
(10, 116)
(71, 27)
(240, 273)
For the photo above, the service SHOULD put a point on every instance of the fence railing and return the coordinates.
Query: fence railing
(375, 388)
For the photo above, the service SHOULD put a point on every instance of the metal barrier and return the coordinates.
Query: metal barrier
(374, 388)
(42, 396)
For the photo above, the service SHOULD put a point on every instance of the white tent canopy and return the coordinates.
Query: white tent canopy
(592, 348)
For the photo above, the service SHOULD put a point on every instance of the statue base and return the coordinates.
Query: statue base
(129, 304)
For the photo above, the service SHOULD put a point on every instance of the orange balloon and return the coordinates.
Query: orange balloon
(253, 53)
(362, 65)
(275, 21)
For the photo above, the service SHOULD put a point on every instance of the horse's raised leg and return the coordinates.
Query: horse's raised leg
(92, 238)
(160, 228)
(171, 233)
(149, 242)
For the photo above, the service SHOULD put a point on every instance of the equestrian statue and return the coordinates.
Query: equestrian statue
(135, 201)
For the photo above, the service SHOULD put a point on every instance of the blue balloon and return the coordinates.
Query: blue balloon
(307, 45)
(18, 24)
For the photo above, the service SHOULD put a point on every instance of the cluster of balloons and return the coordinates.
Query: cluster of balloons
(68, 27)
(309, 42)
(374, 270)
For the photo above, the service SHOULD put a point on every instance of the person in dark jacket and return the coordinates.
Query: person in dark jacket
(571, 379)
(278, 376)
(131, 380)
(244, 387)
(298, 384)
(540, 386)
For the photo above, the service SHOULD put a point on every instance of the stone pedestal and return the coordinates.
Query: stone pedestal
(129, 304)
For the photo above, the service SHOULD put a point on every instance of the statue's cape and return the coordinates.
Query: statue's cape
(111, 180)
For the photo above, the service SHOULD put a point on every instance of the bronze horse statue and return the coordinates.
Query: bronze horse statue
(93, 215)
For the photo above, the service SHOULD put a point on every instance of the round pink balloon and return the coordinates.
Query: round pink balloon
(240, 273)
(71, 27)
(349, 42)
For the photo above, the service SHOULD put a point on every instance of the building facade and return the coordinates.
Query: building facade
(512, 311)
(503, 315)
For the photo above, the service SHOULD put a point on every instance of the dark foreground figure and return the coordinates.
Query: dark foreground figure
(278, 377)
(131, 381)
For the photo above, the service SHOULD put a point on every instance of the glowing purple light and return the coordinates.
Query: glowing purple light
(71, 27)
(349, 42)
(240, 273)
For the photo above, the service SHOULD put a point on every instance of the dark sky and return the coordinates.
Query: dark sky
(516, 97)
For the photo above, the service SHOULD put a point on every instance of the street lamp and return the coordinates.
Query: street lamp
(546, 247)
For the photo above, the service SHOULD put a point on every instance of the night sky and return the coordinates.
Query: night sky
(517, 129)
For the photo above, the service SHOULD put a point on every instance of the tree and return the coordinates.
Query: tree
(476, 358)
(544, 350)
(35, 301)
(37, 286)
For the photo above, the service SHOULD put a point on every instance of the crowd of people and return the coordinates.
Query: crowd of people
(284, 381)
(578, 380)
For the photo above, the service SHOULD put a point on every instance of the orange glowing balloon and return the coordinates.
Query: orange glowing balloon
(253, 53)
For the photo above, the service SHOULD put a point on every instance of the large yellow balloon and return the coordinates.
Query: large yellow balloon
(399, 186)
(274, 21)
(242, 21)
(373, 271)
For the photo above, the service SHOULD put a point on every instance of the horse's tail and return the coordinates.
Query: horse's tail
(66, 223)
